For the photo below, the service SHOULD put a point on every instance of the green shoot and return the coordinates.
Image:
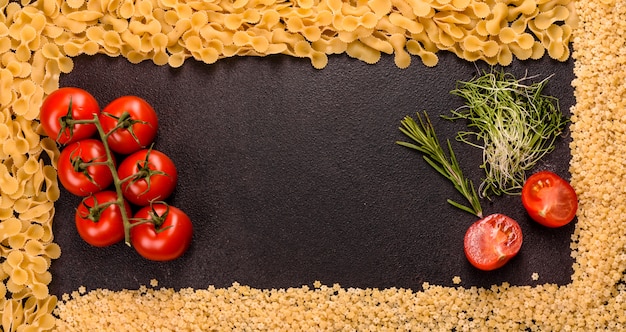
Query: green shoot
(423, 133)
(514, 125)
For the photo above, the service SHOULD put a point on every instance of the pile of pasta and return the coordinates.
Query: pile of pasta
(39, 38)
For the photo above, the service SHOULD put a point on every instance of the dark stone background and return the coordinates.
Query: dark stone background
(291, 175)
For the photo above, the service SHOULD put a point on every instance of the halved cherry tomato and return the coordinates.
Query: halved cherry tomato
(65, 104)
(549, 199)
(136, 123)
(148, 175)
(76, 171)
(98, 221)
(492, 241)
(166, 235)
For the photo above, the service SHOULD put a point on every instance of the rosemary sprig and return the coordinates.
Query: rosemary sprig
(514, 124)
(423, 133)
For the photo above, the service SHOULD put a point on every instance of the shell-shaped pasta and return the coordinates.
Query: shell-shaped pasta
(545, 19)
(126, 9)
(85, 15)
(8, 184)
(358, 50)
(428, 58)
(117, 24)
(421, 8)
(498, 19)
(379, 44)
(380, 7)
(411, 25)
(9, 227)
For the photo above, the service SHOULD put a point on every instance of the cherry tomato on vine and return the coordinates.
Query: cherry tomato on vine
(549, 199)
(165, 237)
(148, 175)
(77, 171)
(98, 221)
(492, 241)
(135, 123)
(67, 104)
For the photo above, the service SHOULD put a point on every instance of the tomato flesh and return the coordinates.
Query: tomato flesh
(145, 189)
(163, 242)
(492, 241)
(56, 107)
(137, 132)
(90, 179)
(98, 222)
(549, 199)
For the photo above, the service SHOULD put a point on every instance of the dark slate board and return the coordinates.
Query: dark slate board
(291, 175)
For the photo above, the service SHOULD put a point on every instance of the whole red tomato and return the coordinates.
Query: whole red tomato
(492, 241)
(148, 175)
(549, 199)
(135, 123)
(98, 221)
(166, 235)
(66, 104)
(76, 170)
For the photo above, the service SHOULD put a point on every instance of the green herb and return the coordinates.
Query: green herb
(513, 123)
(423, 133)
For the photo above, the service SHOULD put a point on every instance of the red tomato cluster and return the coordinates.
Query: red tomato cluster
(87, 167)
(492, 241)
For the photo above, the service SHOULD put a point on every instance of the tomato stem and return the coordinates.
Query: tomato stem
(117, 183)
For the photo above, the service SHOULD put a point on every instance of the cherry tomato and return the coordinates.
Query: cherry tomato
(66, 104)
(492, 241)
(549, 199)
(98, 221)
(75, 172)
(166, 237)
(136, 123)
(145, 182)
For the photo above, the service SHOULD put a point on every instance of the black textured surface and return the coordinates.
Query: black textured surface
(291, 175)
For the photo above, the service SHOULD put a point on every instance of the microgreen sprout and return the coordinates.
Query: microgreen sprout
(513, 123)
